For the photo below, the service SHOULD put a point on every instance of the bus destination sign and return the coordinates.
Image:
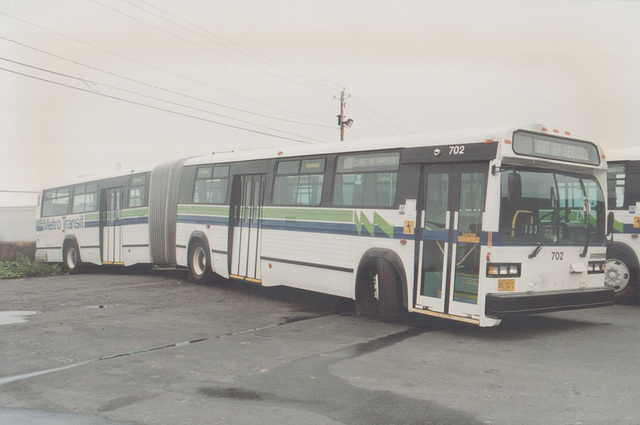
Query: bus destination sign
(549, 147)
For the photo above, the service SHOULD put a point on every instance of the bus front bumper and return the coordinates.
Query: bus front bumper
(508, 305)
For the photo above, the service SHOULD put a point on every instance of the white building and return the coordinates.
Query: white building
(18, 224)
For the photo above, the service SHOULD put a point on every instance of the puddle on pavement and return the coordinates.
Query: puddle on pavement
(232, 393)
(11, 317)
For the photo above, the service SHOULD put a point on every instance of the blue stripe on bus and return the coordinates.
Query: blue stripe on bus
(344, 229)
(135, 220)
(435, 235)
(203, 219)
(628, 228)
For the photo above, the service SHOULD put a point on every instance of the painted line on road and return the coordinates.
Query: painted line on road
(10, 379)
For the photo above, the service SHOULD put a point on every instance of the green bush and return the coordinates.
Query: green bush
(23, 267)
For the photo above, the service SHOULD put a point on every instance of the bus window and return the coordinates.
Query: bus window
(366, 180)
(211, 185)
(299, 182)
(55, 202)
(138, 191)
(616, 178)
(85, 198)
(552, 209)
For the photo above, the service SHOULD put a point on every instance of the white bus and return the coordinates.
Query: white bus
(472, 226)
(624, 200)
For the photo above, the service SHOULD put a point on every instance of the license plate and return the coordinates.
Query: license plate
(506, 285)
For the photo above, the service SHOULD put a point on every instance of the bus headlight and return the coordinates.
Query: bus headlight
(594, 267)
(503, 269)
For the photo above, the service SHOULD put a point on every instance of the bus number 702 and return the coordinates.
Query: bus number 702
(456, 150)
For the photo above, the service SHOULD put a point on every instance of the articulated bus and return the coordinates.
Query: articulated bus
(624, 200)
(473, 226)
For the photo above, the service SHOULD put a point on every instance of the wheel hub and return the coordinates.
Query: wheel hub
(616, 275)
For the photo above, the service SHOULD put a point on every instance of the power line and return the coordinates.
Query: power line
(371, 120)
(253, 54)
(206, 48)
(154, 107)
(365, 104)
(333, 86)
(89, 83)
(161, 70)
(154, 86)
(378, 113)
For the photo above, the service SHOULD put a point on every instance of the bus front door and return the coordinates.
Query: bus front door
(111, 225)
(247, 198)
(450, 235)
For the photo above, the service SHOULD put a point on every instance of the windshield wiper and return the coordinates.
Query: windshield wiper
(587, 213)
(536, 251)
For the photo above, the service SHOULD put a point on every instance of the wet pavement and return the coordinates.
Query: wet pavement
(111, 349)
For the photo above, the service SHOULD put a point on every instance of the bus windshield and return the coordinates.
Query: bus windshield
(551, 207)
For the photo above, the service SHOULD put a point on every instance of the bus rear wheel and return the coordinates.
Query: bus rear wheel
(71, 258)
(620, 275)
(199, 268)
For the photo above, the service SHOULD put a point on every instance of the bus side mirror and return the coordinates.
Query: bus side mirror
(514, 187)
(610, 221)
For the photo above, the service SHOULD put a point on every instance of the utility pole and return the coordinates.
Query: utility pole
(341, 120)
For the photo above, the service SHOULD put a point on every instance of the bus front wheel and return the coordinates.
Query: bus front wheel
(390, 297)
(378, 292)
(620, 275)
(71, 258)
(199, 268)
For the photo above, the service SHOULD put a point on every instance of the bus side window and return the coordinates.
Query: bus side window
(299, 182)
(211, 185)
(85, 198)
(55, 202)
(366, 180)
(616, 181)
(138, 191)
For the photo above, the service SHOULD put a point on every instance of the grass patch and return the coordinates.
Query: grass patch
(24, 267)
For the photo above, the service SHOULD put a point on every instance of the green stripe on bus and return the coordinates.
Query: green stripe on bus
(316, 214)
(371, 226)
(618, 226)
(222, 210)
(137, 212)
(312, 214)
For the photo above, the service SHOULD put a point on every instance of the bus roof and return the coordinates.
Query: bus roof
(622, 154)
(361, 145)
(479, 135)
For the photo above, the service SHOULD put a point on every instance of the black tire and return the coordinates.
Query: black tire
(390, 306)
(71, 258)
(199, 262)
(385, 305)
(621, 275)
(366, 302)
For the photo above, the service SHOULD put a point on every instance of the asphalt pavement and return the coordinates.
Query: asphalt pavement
(118, 348)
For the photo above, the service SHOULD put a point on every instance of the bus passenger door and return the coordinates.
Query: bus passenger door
(450, 235)
(247, 198)
(111, 225)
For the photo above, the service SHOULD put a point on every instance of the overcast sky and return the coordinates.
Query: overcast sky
(92, 85)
